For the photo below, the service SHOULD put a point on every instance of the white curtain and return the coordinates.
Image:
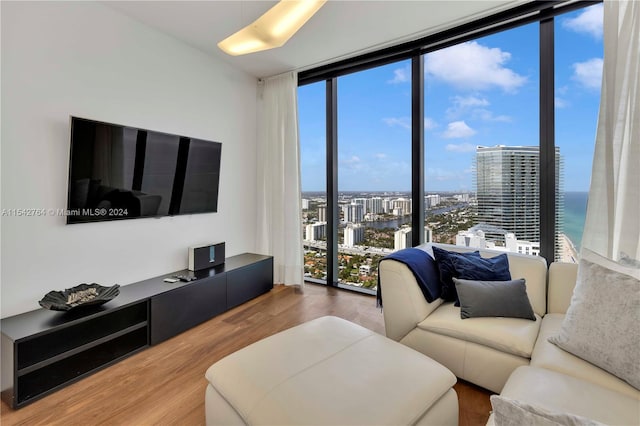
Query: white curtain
(279, 231)
(612, 227)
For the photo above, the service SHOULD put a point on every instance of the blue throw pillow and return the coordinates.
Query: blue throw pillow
(483, 269)
(447, 270)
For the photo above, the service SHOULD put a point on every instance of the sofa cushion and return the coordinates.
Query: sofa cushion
(559, 392)
(532, 268)
(494, 299)
(511, 335)
(486, 269)
(512, 412)
(549, 356)
(447, 270)
(601, 324)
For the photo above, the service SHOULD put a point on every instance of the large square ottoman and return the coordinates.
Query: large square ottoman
(329, 371)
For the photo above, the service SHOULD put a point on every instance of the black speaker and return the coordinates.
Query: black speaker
(205, 257)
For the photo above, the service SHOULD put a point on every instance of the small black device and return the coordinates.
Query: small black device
(185, 278)
(205, 257)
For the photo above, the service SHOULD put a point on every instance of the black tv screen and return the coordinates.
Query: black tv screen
(121, 172)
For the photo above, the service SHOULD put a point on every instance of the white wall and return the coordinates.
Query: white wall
(85, 59)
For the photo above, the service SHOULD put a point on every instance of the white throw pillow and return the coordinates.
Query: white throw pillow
(510, 412)
(602, 325)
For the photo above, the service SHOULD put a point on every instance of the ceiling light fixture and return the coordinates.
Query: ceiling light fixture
(272, 29)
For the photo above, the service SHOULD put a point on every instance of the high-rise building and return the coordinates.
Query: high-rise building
(387, 205)
(404, 204)
(402, 238)
(431, 200)
(462, 197)
(374, 205)
(322, 213)
(354, 213)
(315, 231)
(305, 204)
(353, 234)
(508, 193)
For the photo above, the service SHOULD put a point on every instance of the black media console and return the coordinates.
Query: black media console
(43, 351)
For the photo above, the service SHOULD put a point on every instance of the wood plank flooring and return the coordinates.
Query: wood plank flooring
(165, 384)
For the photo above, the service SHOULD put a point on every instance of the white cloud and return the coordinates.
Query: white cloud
(400, 75)
(458, 129)
(588, 22)
(352, 163)
(560, 102)
(473, 66)
(380, 156)
(429, 123)
(463, 147)
(588, 73)
(461, 104)
(404, 122)
(469, 101)
(486, 115)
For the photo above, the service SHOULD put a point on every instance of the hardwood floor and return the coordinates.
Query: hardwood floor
(165, 384)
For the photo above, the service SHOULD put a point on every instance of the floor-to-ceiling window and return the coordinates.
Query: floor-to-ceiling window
(578, 79)
(482, 142)
(374, 170)
(313, 164)
(508, 120)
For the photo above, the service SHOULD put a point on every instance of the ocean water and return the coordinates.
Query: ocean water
(575, 212)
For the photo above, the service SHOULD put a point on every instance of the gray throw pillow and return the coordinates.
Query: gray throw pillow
(602, 325)
(510, 412)
(494, 299)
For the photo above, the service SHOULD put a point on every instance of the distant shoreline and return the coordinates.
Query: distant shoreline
(568, 252)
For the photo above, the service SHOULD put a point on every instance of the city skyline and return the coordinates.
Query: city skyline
(493, 103)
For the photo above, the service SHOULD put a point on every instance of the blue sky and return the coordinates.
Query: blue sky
(483, 92)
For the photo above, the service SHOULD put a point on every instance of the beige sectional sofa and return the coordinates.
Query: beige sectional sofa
(507, 355)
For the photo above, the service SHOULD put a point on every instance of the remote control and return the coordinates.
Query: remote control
(185, 278)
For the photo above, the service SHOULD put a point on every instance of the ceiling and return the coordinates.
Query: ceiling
(339, 30)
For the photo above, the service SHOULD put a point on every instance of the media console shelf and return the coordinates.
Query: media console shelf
(43, 351)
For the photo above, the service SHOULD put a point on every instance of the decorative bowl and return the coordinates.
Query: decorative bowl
(79, 296)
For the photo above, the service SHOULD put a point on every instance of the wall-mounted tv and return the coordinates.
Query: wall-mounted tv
(121, 172)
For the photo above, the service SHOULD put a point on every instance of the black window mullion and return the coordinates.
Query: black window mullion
(417, 149)
(332, 180)
(547, 175)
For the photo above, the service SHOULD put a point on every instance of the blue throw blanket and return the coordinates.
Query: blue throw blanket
(422, 266)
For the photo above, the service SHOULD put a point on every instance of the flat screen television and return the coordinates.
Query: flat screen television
(121, 172)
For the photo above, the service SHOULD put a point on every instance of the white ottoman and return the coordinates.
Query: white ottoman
(329, 372)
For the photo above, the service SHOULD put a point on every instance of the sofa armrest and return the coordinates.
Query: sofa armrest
(403, 303)
(562, 280)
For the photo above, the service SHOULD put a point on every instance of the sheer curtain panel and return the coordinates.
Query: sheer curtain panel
(612, 227)
(279, 230)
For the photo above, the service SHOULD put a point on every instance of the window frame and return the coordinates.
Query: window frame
(542, 12)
